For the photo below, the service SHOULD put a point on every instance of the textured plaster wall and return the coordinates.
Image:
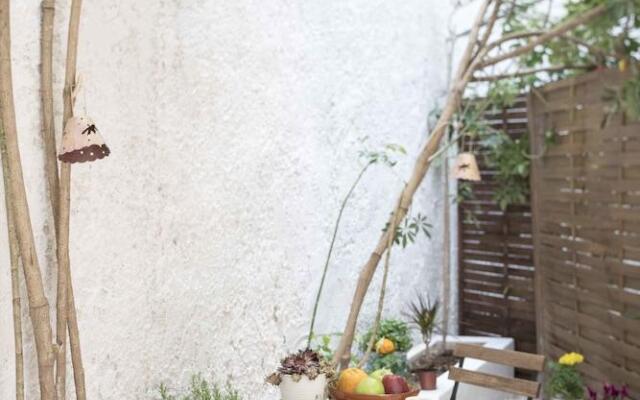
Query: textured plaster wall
(198, 244)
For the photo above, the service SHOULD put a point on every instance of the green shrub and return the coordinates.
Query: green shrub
(200, 389)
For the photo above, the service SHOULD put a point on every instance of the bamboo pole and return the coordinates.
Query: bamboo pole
(46, 90)
(67, 309)
(38, 303)
(14, 257)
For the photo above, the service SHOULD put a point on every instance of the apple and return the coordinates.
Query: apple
(380, 373)
(370, 385)
(394, 384)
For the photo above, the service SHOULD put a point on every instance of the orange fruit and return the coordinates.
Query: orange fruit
(350, 378)
(385, 346)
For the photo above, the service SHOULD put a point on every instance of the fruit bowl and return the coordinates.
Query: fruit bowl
(339, 395)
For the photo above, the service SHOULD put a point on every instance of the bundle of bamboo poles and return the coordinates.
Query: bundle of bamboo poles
(51, 355)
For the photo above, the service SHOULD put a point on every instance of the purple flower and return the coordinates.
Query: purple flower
(606, 388)
(593, 395)
(624, 392)
(614, 391)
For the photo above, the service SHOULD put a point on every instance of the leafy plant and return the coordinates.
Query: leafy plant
(323, 345)
(370, 157)
(395, 330)
(423, 314)
(564, 379)
(303, 363)
(510, 157)
(396, 362)
(200, 389)
(410, 229)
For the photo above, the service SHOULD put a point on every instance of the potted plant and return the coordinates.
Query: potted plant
(302, 376)
(565, 381)
(423, 315)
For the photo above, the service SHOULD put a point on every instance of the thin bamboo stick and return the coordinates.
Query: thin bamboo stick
(38, 303)
(14, 257)
(64, 205)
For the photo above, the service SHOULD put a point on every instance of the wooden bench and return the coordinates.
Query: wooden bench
(516, 359)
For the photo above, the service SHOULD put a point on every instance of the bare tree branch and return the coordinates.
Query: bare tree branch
(546, 36)
(530, 71)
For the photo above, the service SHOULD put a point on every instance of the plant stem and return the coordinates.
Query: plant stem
(38, 303)
(67, 307)
(376, 323)
(14, 257)
(333, 240)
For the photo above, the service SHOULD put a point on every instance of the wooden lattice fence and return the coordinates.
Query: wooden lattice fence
(586, 202)
(496, 253)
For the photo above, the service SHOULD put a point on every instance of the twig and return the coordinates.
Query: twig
(333, 240)
(38, 303)
(529, 71)
(14, 257)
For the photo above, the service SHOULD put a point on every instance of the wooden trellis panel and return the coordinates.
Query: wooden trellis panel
(496, 253)
(586, 196)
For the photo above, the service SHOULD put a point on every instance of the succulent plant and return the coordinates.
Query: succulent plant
(303, 363)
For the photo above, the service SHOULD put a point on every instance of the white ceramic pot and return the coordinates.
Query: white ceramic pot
(304, 389)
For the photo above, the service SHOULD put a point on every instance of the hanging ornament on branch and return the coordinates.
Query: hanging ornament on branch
(466, 167)
(82, 141)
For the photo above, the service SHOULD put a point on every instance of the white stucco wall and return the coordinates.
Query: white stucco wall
(198, 244)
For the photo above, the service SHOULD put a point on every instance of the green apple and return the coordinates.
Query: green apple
(370, 385)
(380, 373)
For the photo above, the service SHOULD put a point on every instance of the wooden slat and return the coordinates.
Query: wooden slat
(511, 385)
(516, 359)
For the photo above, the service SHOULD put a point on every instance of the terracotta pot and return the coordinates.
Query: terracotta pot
(339, 395)
(304, 389)
(428, 379)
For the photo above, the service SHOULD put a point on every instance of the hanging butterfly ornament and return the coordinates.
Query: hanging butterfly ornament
(81, 139)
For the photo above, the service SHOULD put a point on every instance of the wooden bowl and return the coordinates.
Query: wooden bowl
(339, 395)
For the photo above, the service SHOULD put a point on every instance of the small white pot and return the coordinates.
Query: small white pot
(304, 389)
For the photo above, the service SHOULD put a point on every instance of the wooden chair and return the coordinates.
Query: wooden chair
(516, 359)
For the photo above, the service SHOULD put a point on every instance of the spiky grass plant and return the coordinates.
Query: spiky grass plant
(303, 363)
(200, 389)
(423, 314)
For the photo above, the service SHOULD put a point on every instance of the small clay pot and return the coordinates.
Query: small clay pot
(427, 379)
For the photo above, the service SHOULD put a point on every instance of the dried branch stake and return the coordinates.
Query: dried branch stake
(14, 257)
(38, 304)
(472, 59)
(46, 90)
(66, 310)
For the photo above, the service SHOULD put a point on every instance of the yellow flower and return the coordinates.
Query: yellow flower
(571, 359)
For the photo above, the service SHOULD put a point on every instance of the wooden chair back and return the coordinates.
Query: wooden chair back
(516, 359)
